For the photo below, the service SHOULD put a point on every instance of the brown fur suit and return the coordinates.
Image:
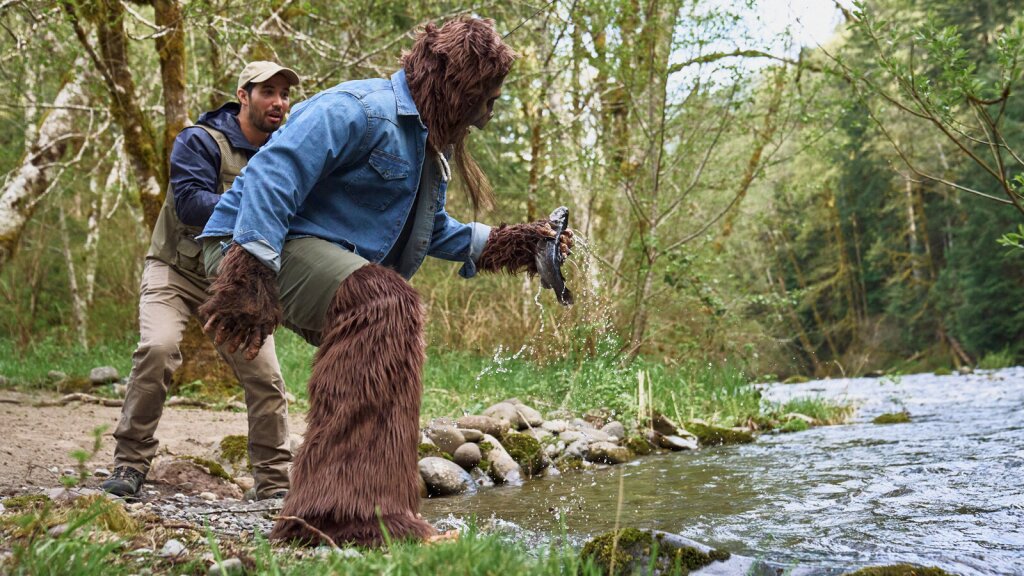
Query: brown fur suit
(357, 468)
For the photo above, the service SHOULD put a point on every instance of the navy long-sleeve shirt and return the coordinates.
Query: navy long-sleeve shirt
(195, 163)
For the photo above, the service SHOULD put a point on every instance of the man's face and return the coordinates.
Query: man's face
(485, 110)
(267, 105)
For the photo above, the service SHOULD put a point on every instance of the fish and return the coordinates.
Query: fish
(549, 258)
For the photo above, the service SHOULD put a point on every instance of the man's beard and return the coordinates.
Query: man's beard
(259, 121)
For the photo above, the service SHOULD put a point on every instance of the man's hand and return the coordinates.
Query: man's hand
(244, 306)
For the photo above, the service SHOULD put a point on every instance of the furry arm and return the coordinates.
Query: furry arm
(511, 248)
(244, 305)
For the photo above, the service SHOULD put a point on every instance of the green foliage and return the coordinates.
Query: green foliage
(995, 360)
(27, 366)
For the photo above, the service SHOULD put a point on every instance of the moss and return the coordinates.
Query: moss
(427, 450)
(900, 570)
(234, 448)
(26, 501)
(76, 384)
(629, 548)
(109, 515)
(943, 371)
(526, 451)
(892, 418)
(715, 436)
(639, 445)
(486, 447)
(212, 467)
(796, 379)
(795, 425)
(571, 463)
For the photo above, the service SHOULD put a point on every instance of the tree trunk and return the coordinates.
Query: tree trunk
(26, 183)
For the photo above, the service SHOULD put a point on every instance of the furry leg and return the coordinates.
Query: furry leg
(357, 469)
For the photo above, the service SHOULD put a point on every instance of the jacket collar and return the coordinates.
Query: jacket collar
(406, 106)
(225, 119)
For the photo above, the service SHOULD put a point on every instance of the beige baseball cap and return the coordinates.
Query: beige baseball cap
(262, 70)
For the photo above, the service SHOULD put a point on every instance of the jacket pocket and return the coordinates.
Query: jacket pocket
(386, 180)
(190, 258)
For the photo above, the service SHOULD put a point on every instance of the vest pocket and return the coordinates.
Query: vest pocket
(190, 258)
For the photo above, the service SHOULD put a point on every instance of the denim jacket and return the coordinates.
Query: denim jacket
(344, 168)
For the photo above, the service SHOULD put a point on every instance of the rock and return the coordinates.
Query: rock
(630, 551)
(236, 405)
(200, 476)
(892, 418)
(484, 424)
(208, 496)
(505, 413)
(965, 370)
(120, 390)
(580, 424)
(575, 449)
(527, 451)
(424, 493)
(245, 482)
(289, 397)
(538, 434)
(294, 442)
(570, 436)
(715, 436)
(57, 530)
(446, 437)
(555, 426)
(172, 549)
(481, 478)
(56, 376)
(596, 435)
(101, 472)
(70, 494)
(70, 472)
(103, 375)
(552, 450)
(560, 414)
(468, 455)
(615, 429)
(528, 415)
(504, 470)
(227, 567)
(798, 416)
(471, 435)
(663, 425)
(444, 477)
(607, 453)
(673, 442)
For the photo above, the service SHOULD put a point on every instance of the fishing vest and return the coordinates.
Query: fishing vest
(174, 242)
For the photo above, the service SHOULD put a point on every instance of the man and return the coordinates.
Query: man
(320, 234)
(205, 160)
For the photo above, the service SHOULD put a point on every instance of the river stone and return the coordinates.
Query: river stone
(553, 450)
(798, 416)
(575, 449)
(596, 435)
(615, 429)
(580, 424)
(444, 477)
(597, 417)
(484, 424)
(673, 442)
(663, 425)
(103, 375)
(467, 456)
(227, 567)
(181, 472)
(481, 478)
(504, 470)
(471, 435)
(172, 549)
(507, 414)
(632, 550)
(607, 453)
(555, 426)
(527, 414)
(538, 434)
(446, 437)
(424, 493)
(570, 436)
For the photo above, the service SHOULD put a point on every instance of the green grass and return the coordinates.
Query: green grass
(1004, 358)
(27, 366)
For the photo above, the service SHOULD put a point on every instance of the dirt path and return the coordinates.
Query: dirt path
(35, 439)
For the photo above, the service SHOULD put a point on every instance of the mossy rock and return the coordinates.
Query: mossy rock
(234, 449)
(75, 384)
(427, 450)
(526, 451)
(214, 468)
(629, 549)
(639, 445)
(716, 436)
(796, 379)
(571, 463)
(943, 371)
(795, 425)
(900, 570)
(892, 418)
(26, 501)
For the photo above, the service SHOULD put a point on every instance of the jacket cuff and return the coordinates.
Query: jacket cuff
(257, 245)
(481, 232)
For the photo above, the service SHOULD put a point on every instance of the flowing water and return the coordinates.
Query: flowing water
(946, 489)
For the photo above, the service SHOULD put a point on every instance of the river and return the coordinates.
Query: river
(946, 489)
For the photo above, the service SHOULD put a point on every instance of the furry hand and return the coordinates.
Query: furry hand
(512, 247)
(244, 307)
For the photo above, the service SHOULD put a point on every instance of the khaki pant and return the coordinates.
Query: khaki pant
(167, 300)
(311, 271)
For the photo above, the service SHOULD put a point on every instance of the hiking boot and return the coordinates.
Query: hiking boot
(279, 495)
(126, 481)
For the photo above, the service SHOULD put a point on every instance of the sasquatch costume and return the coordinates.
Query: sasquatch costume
(357, 468)
(342, 189)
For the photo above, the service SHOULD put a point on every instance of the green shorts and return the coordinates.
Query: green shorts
(311, 271)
